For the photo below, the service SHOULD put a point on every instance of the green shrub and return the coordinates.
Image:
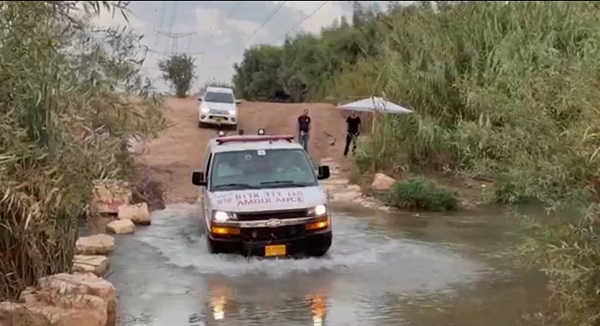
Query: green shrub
(509, 193)
(422, 194)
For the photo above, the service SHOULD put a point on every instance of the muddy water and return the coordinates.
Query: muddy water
(381, 270)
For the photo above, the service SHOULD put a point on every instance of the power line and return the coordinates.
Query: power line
(170, 28)
(174, 38)
(271, 15)
(167, 53)
(162, 20)
(317, 8)
(174, 35)
(306, 18)
(233, 9)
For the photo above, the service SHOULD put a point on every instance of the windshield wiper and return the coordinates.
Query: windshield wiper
(285, 183)
(244, 185)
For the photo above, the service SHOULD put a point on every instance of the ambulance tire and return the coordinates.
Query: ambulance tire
(319, 252)
(213, 248)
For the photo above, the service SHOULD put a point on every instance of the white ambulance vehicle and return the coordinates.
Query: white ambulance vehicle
(260, 196)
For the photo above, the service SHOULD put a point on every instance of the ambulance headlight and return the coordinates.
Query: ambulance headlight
(220, 216)
(319, 210)
(261, 131)
(221, 133)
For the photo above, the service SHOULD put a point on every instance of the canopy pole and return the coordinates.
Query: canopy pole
(375, 112)
(374, 122)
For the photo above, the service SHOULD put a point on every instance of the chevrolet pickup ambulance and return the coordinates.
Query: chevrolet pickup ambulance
(260, 196)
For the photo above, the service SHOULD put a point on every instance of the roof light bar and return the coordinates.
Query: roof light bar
(245, 139)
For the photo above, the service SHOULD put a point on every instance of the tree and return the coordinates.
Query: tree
(344, 22)
(67, 102)
(180, 71)
(357, 14)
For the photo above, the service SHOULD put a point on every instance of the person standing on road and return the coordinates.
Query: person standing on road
(304, 129)
(353, 123)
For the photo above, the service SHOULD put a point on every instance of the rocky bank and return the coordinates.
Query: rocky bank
(340, 191)
(82, 298)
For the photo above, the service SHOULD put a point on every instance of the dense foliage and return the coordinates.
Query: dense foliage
(70, 97)
(180, 71)
(503, 89)
(305, 63)
(422, 194)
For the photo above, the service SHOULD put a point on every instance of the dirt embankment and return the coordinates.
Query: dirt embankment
(180, 149)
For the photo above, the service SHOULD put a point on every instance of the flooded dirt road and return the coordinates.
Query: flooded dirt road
(381, 270)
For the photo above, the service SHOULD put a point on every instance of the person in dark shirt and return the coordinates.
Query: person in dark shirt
(352, 132)
(304, 129)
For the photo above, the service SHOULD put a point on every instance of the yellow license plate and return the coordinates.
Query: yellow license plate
(275, 250)
(218, 119)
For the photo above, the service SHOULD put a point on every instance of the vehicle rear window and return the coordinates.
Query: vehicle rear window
(218, 97)
(271, 168)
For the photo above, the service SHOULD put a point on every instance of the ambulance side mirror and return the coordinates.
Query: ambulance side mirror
(323, 172)
(198, 179)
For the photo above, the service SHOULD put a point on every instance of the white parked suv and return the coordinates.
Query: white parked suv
(218, 106)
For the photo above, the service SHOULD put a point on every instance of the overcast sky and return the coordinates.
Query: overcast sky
(222, 29)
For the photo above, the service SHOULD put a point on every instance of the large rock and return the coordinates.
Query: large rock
(17, 314)
(382, 182)
(65, 309)
(121, 227)
(346, 194)
(137, 213)
(98, 244)
(109, 195)
(63, 300)
(82, 285)
(91, 264)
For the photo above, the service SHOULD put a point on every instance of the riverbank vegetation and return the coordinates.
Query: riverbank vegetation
(67, 109)
(504, 91)
(421, 194)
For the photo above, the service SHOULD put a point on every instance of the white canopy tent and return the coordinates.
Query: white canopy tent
(375, 105)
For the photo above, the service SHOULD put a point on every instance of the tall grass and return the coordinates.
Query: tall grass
(509, 90)
(67, 107)
(495, 87)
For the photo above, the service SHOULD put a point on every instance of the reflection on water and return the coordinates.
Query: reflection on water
(231, 302)
(218, 300)
(318, 304)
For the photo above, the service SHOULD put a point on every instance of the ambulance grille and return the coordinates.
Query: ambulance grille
(282, 215)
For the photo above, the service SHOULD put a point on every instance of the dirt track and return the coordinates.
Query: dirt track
(180, 149)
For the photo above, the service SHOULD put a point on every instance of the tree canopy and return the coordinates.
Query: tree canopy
(305, 63)
(180, 71)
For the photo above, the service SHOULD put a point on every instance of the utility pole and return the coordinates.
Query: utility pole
(174, 39)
